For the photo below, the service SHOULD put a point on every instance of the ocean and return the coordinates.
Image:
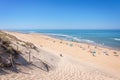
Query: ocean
(107, 38)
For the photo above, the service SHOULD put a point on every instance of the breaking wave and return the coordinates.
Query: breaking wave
(68, 37)
(117, 39)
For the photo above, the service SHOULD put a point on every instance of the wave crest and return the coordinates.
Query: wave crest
(117, 39)
(68, 37)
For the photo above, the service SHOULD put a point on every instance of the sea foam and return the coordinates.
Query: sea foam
(68, 37)
(117, 39)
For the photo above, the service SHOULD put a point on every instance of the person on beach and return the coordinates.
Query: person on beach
(61, 55)
(106, 53)
(80, 46)
(93, 53)
(70, 45)
(60, 42)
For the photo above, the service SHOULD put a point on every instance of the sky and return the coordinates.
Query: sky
(59, 14)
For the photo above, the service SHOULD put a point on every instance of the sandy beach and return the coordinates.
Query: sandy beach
(73, 60)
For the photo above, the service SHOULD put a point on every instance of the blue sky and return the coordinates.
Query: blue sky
(59, 14)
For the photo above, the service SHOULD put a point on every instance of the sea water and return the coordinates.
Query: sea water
(109, 38)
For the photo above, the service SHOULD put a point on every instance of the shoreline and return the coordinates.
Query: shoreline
(74, 57)
(87, 43)
(81, 51)
(93, 44)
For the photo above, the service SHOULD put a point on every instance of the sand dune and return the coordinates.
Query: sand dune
(76, 62)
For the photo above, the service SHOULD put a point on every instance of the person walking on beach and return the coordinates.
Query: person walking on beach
(61, 55)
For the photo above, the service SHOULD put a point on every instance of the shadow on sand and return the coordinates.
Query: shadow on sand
(21, 64)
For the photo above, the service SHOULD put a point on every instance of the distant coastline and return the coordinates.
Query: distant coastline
(107, 38)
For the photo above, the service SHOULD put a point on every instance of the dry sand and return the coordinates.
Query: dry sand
(77, 61)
